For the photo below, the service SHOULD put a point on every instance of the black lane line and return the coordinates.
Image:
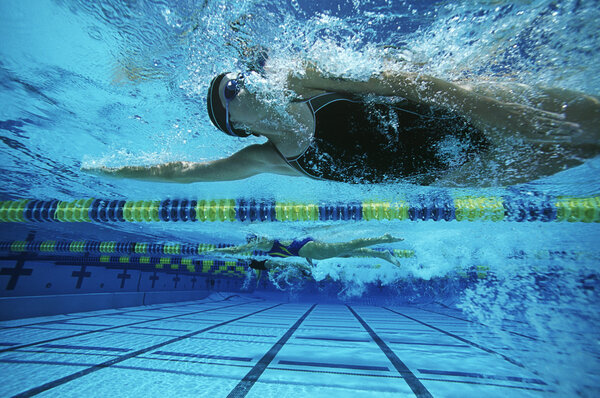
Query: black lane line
(79, 364)
(489, 384)
(59, 321)
(14, 348)
(84, 347)
(266, 342)
(482, 324)
(481, 376)
(429, 344)
(84, 324)
(514, 362)
(244, 386)
(335, 365)
(244, 334)
(203, 356)
(413, 382)
(110, 362)
(163, 329)
(334, 339)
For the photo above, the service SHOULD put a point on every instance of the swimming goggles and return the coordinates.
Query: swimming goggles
(231, 90)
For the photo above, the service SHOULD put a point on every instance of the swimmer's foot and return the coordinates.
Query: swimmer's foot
(389, 257)
(388, 238)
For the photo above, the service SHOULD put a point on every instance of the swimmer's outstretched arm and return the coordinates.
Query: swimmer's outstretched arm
(264, 245)
(483, 111)
(233, 249)
(252, 160)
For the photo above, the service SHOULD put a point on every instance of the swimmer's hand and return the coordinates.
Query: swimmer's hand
(228, 250)
(179, 172)
(535, 125)
(249, 247)
(126, 171)
(100, 171)
(173, 172)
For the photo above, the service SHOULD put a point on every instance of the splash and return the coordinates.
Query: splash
(553, 305)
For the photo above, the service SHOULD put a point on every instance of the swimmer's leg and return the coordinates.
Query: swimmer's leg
(322, 250)
(384, 255)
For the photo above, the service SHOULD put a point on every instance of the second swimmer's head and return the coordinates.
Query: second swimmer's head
(219, 114)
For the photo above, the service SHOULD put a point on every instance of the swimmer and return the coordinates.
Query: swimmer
(303, 269)
(288, 271)
(315, 250)
(393, 127)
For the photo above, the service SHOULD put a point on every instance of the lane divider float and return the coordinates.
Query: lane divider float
(444, 208)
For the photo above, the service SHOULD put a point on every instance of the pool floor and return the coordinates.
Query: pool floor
(240, 346)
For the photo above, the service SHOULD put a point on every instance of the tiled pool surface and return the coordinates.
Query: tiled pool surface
(248, 346)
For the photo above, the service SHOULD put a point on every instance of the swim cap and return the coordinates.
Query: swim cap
(258, 265)
(216, 111)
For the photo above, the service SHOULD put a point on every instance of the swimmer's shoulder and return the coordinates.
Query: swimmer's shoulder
(271, 159)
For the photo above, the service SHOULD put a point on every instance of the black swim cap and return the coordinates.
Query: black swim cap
(258, 265)
(216, 110)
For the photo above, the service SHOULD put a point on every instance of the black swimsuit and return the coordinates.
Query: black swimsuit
(358, 141)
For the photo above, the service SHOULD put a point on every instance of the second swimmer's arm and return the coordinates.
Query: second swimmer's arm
(252, 160)
(263, 245)
(233, 249)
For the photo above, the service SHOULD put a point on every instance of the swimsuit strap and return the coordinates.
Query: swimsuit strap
(315, 104)
(319, 101)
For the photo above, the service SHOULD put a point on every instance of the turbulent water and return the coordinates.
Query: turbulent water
(124, 82)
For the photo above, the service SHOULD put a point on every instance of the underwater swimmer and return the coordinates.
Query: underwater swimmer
(287, 271)
(395, 126)
(316, 250)
(304, 270)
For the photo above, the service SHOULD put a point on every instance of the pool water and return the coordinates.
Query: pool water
(106, 286)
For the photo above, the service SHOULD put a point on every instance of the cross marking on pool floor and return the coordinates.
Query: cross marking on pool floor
(18, 270)
(154, 278)
(123, 276)
(81, 274)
